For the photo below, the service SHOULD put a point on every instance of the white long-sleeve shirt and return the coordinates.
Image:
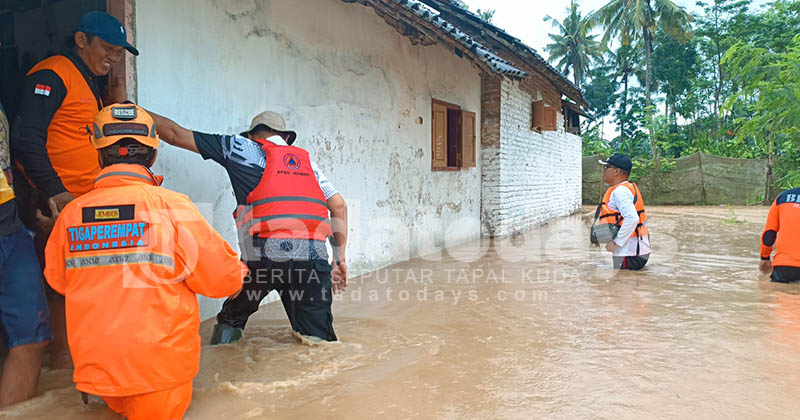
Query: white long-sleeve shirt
(621, 200)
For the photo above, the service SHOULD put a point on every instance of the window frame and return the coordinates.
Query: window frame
(453, 141)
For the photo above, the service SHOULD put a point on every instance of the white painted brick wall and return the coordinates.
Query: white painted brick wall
(531, 178)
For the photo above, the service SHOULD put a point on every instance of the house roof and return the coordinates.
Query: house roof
(420, 22)
(427, 22)
(575, 108)
(499, 40)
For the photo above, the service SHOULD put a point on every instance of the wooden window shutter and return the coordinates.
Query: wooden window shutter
(550, 118)
(439, 136)
(537, 115)
(468, 154)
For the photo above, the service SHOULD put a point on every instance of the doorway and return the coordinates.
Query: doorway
(30, 31)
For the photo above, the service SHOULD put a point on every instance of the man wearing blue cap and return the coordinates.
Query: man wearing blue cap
(49, 140)
(621, 220)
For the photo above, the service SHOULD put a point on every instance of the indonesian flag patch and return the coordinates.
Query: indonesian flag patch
(43, 90)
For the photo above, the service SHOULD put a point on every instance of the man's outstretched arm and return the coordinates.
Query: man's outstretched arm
(338, 210)
(174, 134)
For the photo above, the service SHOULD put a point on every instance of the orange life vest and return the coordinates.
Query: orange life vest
(287, 202)
(605, 215)
(72, 156)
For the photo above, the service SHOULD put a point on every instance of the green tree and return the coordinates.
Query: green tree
(718, 28)
(627, 63)
(639, 19)
(573, 47)
(770, 92)
(594, 144)
(776, 27)
(601, 90)
(674, 64)
(632, 139)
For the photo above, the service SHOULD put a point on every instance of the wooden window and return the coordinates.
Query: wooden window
(543, 117)
(452, 137)
(537, 115)
(550, 119)
(468, 155)
(439, 137)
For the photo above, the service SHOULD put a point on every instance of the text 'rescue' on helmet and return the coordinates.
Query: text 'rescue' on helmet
(119, 121)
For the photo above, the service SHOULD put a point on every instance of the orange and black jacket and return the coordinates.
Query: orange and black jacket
(60, 98)
(782, 230)
(129, 258)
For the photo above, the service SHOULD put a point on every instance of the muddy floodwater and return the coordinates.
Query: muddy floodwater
(537, 326)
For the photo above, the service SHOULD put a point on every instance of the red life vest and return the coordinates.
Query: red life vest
(287, 203)
(606, 215)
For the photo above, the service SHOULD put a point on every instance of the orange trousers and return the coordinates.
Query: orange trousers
(169, 404)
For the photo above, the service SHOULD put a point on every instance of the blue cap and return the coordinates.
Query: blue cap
(108, 28)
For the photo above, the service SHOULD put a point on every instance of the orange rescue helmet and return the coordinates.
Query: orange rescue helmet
(118, 121)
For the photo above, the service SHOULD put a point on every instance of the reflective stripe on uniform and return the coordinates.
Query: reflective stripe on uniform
(288, 216)
(119, 259)
(288, 198)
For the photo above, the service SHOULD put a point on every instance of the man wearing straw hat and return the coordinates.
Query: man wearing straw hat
(286, 211)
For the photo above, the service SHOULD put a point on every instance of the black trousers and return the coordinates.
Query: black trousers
(785, 274)
(304, 288)
(631, 263)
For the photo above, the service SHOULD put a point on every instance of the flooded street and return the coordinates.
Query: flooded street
(537, 326)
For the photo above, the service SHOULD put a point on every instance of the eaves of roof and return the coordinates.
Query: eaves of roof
(487, 33)
(575, 108)
(428, 16)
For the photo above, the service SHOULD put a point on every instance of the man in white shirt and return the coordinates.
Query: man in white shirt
(623, 207)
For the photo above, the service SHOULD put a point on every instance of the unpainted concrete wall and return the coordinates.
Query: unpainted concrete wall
(357, 92)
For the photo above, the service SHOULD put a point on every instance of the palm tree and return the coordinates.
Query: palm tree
(627, 63)
(573, 47)
(638, 20)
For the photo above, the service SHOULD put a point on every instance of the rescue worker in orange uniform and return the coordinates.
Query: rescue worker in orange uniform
(782, 232)
(130, 257)
(283, 222)
(54, 160)
(621, 220)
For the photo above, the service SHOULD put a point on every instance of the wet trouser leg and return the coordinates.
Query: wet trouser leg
(168, 404)
(256, 287)
(785, 274)
(633, 263)
(305, 290)
(307, 298)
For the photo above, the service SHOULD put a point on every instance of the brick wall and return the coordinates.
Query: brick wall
(490, 111)
(528, 178)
